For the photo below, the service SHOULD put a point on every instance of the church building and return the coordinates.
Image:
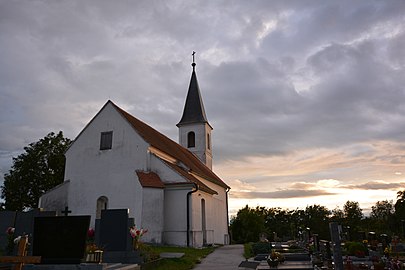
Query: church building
(118, 161)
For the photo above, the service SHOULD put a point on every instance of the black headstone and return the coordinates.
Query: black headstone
(60, 240)
(24, 221)
(114, 230)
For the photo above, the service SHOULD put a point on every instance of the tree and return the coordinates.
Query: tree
(400, 205)
(353, 216)
(248, 224)
(381, 215)
(317, 220)
(40, 168)
(337, 215)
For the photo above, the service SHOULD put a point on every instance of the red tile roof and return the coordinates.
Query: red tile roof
(150, 179)
(168, 146)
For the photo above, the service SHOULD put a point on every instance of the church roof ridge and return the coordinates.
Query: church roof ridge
(170, 147)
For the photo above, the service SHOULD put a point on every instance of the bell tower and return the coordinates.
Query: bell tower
(194, 129)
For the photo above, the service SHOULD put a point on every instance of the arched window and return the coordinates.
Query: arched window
(191, 139)
(208, 141)
(102, 204)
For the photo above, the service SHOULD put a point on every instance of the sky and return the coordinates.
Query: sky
(306, 98)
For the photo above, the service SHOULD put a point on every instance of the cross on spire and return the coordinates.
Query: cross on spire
(193, 64)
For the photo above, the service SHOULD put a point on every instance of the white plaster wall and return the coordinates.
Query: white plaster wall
(111, 173)
(166, 174)
(201, 146)
(216, 212)
(175, 216)
(152, 214)
(55, 199)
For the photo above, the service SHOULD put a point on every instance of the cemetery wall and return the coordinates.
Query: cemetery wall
(110, 173)
(152, 214)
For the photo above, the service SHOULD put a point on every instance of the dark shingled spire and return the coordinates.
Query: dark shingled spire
(194, 108)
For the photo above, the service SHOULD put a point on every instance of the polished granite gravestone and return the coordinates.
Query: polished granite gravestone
(112, 235)
(60, 240)
(24, 221)
(114, 230)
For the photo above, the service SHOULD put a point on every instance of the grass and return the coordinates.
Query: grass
(191, 257)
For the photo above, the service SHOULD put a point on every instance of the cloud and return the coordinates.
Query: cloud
(376, 185)
(280, 194)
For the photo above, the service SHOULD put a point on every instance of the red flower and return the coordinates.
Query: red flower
(90, 233)
(10, 230)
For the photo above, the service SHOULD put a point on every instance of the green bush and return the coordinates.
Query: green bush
(261, 248)
(248, 250)
(354, 248)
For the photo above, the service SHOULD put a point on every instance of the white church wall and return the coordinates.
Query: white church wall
(197, 219)
(166, 174)
(110, 173)
(216, 212)
(152, 214)
(201, 146)
(175, 215)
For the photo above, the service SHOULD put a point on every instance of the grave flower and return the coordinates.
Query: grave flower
(10, 240)
(17, 239)
(136, 235)
(90, 233)
(91, 247)
(10, 230)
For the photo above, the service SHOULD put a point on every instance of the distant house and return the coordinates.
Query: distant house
(117, 161)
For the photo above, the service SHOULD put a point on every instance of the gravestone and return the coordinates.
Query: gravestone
(316, 242)
(7, 219)
(112, 234)
(60, 240)
(24, 222)
(114, 230)
(337, 249)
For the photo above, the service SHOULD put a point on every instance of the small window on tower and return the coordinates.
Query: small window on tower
(106, 140)
(191, 139)
(208, 141)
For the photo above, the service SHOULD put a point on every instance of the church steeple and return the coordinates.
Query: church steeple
(194, 111)
(194, 129)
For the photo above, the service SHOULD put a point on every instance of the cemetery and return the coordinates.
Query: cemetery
(44, 240)
(364, 251)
